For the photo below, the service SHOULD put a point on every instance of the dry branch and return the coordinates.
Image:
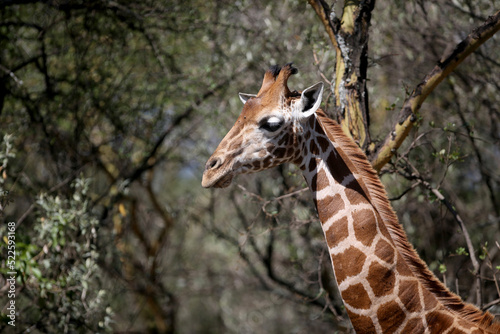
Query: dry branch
(415, 175)
(408, 114)
(323, 11)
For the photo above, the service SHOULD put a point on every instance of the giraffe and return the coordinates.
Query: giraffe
(385, 286)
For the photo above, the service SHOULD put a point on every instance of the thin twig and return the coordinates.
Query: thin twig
(266, 202)
(51, 190)
(408, 114)
(458, 219)
(320, 281)
(490, 304)
(413, 186)
(11, 74)
(317, 63)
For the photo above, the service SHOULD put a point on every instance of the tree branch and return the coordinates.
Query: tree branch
(485, 175)
(490, 304)
(475, 263)
(408, 114)
(324, 14)
(148, 161)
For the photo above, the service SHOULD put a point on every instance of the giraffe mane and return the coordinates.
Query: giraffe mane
(371, 184)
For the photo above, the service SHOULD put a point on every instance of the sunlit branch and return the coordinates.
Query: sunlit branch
(408, 114)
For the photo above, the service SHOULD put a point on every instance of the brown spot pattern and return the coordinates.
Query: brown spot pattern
(402, 267)
(381, 279)
(312, 164)
(323, 143)
(313, 149)
(365, 227)
(414, 325)
(337, 232)
(383, 229)
(348, 263)
(314, 186)
(362, 323)
(280, 152)
(356, 296)
(270, 147)
(267, 161)
(390, 317)
(409, 296)
(256, 165)
(354, 196)
(430, 301)
(329, 206)
(337, 167)
(438, 322)
(321, 180)
(385, 251)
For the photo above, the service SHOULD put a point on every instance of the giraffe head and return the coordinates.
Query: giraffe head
(268, 130)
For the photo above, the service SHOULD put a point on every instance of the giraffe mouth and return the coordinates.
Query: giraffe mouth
(223, 182)
(219, 180)
(223, 176)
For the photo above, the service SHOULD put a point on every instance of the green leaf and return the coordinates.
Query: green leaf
(35, 272)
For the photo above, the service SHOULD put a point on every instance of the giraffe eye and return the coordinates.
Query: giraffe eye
(271, 124)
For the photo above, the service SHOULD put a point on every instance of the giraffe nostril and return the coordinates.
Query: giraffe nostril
(213, 163)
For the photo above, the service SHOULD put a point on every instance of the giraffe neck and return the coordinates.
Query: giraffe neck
(373, 264)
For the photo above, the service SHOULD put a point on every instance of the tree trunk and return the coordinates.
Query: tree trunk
(349, 35)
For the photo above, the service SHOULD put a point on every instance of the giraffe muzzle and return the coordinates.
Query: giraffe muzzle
(216, 174)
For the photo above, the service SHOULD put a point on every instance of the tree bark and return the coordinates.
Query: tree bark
(349, 36)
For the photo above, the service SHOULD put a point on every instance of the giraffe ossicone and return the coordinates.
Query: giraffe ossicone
(385, 286)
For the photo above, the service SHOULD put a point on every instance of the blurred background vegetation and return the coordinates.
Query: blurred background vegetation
(109, 110)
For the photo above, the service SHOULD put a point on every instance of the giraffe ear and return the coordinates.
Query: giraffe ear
(311, 100)
(244, 97)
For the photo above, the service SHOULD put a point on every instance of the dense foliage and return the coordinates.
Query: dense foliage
(109, 110)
